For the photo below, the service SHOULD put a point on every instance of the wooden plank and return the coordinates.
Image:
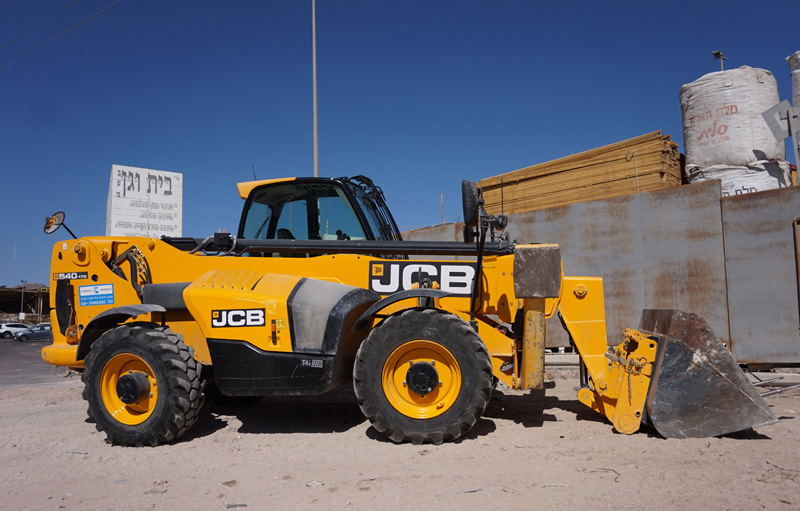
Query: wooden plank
(643, 144)
(583, 194)
(644, 163)
(578, 193)
(584, 178)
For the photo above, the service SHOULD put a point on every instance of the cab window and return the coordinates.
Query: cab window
(303, 211)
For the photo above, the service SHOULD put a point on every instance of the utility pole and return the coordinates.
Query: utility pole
(314, 63)
(22, 301)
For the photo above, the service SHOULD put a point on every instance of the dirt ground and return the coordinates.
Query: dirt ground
(534, 451)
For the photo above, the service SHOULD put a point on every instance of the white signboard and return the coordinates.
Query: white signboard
(144, 202)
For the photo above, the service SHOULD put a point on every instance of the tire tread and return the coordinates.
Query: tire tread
(184, 395)
(367, 388)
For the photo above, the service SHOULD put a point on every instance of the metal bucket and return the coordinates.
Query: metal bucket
(697, 390)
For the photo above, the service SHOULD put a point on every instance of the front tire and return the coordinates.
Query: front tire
(23, 338)
(142, 384)
(423, 376)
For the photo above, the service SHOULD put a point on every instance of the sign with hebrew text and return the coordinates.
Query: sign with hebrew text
(144, 202)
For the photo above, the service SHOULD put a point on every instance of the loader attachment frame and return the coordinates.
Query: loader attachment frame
(672, 374)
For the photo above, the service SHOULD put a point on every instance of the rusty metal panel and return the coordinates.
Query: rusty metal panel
(598, 239)
(660, 249)
(683, 253)
(665, 250)
(762, 275)
(443, 232)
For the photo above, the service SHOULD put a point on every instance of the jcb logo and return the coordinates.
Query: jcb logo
(455, 278)
(238, 317)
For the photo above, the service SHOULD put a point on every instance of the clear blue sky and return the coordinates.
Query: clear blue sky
(417, 94)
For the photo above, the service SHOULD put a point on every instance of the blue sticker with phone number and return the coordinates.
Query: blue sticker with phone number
(102, 294)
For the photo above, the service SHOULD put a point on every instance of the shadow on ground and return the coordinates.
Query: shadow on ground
(531, 410)
(338, 411)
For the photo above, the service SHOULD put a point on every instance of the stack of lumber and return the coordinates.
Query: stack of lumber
(641, 164)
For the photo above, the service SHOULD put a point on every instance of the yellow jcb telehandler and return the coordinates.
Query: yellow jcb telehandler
(316, 290)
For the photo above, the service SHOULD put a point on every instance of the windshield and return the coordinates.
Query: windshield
(303, 211)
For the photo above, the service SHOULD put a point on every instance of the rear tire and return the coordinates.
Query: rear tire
(171, 394)
(7, 335)
(423, 376)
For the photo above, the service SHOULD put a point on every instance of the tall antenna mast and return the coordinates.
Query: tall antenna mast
(314, 59)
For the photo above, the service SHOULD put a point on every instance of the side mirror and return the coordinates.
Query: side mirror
(470, 204)
(56, 220)
(52, 224)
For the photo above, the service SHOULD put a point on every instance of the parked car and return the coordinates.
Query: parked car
(7, 330)
(40, 331)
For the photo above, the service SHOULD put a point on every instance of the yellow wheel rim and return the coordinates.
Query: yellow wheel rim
(410, 403)
(118, 366)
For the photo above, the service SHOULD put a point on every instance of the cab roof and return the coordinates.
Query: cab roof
(248, 186)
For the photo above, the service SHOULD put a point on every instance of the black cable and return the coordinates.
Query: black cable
(62, 33)
(39, 25)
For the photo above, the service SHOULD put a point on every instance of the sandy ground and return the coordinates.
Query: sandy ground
(534, 451)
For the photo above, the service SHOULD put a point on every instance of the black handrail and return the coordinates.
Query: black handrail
(318, 247)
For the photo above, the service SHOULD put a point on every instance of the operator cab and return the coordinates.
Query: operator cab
(317, 209)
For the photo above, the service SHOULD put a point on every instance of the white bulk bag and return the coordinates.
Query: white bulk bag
(722, 122)
(739, 180)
